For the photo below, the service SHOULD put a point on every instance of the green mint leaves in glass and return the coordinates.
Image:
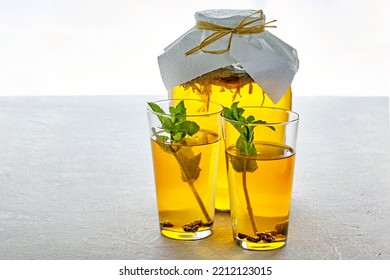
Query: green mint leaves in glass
(245, 147)
(260, 151)
(184, 149)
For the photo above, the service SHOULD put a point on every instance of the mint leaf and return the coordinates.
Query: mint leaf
(178, 136)
(161, 140)
(250, 119)
(157, 109)
(263, 122)
(242, 165)
(234, 113)
(178, 113)
(181, 109)
(168, 125)
(189, 164)
(189, 127)
(245, 148)
(259, 122)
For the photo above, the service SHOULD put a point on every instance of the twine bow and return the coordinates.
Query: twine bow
(222, 31)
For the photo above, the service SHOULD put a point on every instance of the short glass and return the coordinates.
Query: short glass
(185, 168)
(260, 185)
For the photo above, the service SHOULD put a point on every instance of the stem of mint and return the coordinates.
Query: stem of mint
(187, 178)
(248, 203)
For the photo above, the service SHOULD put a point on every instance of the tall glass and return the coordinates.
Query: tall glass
(260, 185)
(185, 170)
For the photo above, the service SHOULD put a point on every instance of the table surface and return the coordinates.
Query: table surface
(76, 182)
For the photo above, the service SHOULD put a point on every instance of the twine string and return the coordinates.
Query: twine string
(222, 31)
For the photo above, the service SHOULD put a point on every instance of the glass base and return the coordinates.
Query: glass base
(260, 246)
(180, 235)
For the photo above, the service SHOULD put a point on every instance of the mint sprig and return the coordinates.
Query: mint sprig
(176, 125)
(245, 126)
(244, 143)
(245, 147)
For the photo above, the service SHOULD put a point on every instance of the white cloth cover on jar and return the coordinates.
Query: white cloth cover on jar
(270, 62)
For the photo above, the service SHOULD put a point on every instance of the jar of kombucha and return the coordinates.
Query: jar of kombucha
(229, 57)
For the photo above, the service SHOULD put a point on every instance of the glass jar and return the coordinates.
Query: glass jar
(225, 86)
(247, 65)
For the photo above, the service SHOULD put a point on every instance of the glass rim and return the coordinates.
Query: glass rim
(289, 112)
(200, 114)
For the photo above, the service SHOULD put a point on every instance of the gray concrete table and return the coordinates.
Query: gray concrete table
(76, 182)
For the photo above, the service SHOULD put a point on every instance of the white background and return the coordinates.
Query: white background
(90, 47)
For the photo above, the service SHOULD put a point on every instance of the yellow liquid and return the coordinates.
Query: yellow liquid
(177, 199)
(268, 190)
(225, 93)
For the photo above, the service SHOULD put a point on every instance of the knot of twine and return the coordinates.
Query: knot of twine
(222, 31)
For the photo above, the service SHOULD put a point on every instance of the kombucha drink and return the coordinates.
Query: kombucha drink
(260, 200)
(185, 184)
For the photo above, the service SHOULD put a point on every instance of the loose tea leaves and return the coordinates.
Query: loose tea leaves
(232, 77)
(260, 236)
(195, 225)
(267, 237)
(166, 224)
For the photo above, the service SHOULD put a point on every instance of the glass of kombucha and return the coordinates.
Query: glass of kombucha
(260, 182)
(185, 147)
